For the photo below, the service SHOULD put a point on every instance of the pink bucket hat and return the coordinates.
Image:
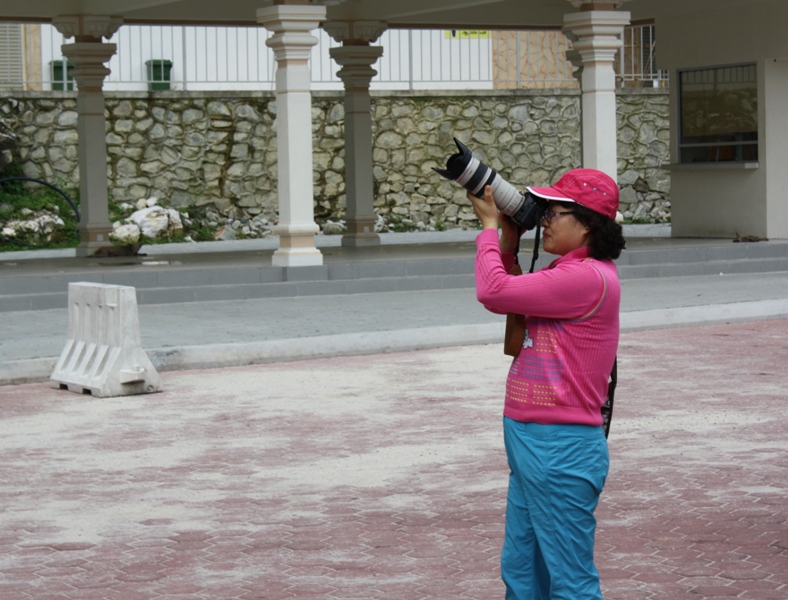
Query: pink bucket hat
(587, 187)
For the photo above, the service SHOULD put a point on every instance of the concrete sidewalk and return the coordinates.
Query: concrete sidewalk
(384, 477)
(228, 333)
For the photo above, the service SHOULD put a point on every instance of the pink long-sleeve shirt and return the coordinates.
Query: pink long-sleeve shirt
(572, 329)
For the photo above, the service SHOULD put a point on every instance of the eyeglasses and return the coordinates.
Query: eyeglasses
(549, 214)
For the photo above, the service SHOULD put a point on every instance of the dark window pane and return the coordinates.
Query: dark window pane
(719, 114)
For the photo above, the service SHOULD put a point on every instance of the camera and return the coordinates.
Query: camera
(525, 209)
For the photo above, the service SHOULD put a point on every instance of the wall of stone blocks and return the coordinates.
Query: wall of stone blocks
(217, 151)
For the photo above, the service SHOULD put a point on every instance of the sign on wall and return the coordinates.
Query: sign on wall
(467, 34)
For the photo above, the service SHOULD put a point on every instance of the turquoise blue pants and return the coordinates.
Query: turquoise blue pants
(557, 475)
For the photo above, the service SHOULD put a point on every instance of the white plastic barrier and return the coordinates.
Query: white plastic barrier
(103, 355)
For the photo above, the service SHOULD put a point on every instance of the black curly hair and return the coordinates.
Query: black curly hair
(607, 237)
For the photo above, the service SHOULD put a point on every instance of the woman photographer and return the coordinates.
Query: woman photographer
(558, 382)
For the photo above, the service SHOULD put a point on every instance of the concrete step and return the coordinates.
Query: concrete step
(712, 267)
(702, 252)
(172, 281)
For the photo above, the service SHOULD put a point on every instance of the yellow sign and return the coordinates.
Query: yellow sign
(467, 34)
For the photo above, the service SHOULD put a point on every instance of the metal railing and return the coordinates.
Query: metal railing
(236, 58)
(637, 57)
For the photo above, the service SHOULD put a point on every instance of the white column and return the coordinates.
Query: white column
(598, 34)
(292, 43)
(88, 54)
(356, 58)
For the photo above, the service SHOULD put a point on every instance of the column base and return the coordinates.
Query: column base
(297, 246)
(89, 250)
(92, 240)
(361, 232)
(297, 257)
(356, 240)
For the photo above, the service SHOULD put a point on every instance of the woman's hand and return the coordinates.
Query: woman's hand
(510, 234)
(488, 214)
(485, 208)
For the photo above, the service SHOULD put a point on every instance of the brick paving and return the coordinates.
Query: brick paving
(384, 477)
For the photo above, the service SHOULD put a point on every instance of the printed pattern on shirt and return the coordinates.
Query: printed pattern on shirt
(538, 372)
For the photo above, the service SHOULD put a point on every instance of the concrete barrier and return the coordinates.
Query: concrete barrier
(103, 355)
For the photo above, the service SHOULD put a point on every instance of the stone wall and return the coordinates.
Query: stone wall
(213, 155)
(643, 148)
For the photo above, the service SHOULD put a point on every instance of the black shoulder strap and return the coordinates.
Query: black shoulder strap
(536, 246)
(607, 407)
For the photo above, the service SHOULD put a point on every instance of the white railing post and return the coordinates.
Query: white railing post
(184, 70)
(410, 59)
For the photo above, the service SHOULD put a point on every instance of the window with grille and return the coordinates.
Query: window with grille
(719, 114)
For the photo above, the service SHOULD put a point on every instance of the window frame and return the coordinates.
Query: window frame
(740, 146)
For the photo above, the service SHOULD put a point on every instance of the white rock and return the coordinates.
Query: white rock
(49, 223)
(152, 222)
(175, 220)
(140, 204)
(126, 234)
(31, 226)
(331, 228)
(152, 201)
(42, 225)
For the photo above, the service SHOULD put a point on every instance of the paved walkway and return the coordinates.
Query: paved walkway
(384, 476)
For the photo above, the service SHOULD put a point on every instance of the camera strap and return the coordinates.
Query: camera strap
(536, 245)
(607, 407)
(535, 255)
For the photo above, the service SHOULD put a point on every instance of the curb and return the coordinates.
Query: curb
(706, 314)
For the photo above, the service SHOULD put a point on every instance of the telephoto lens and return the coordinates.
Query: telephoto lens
(472, 174)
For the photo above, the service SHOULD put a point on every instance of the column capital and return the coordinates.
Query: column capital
(87, 27)
(597, 22)
(291, 26)
(291, 17)
(356, 63)
(598, 33)
(89, 57)
(355, 32)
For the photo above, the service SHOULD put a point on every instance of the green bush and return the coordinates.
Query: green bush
(20, 199)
